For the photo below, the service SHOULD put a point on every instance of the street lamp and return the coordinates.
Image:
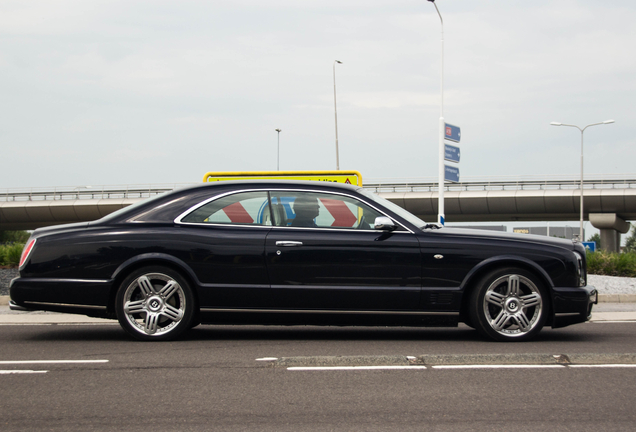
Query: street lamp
(335, 111)
(278, 150)
(582, 130)
(440, 164)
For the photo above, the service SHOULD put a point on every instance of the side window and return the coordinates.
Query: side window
(320, 210)
(246, 208)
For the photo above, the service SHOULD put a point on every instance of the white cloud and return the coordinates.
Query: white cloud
(201, 85)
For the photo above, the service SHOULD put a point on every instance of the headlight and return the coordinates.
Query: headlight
(580, 269)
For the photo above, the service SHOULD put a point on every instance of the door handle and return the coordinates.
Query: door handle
(289, 243)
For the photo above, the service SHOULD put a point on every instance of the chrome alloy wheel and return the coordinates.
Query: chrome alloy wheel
(512, 305)
(154, 304)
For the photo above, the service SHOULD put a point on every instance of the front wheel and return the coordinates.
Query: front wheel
(155, 303)
(509, 304)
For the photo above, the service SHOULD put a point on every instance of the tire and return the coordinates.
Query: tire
(155, 303)
(509, 304)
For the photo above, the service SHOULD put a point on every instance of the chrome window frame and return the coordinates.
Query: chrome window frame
(179, 219)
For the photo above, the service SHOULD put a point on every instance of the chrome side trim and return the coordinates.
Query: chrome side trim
(566, 314)
(327, 312)
(54, 280)
(16, 307)
(66, 305)
(344, 288)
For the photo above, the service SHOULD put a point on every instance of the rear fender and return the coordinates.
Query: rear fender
(151, 259)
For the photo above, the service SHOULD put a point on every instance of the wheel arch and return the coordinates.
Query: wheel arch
(150, 259)
(477, 272)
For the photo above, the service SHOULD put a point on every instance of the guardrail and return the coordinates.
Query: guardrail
(88, 192)
(488, 185)
(376, 185)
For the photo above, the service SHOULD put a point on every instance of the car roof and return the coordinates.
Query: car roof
(275, 183)
(188, 196)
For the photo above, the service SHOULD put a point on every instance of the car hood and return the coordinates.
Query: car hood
(503, 236)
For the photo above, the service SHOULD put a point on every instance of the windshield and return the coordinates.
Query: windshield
(394, 208)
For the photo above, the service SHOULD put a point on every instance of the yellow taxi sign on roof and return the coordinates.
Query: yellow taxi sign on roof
(347, 177)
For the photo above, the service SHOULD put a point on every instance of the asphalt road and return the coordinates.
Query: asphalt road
(212, 380)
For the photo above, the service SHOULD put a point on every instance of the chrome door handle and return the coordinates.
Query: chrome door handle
(289, 243)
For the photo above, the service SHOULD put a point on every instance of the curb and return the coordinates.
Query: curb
(454, 359)
(617, 298)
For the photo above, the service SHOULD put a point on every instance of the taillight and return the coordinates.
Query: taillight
(26, 252)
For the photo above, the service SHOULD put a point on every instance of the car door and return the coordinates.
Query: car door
(324, 254)
(225, 239)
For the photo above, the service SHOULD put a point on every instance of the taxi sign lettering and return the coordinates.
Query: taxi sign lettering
(347, 177)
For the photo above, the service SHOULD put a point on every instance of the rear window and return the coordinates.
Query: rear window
(245, 208)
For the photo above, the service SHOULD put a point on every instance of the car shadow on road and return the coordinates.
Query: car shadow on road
(259, 333)
(315, 333)
(462, 333)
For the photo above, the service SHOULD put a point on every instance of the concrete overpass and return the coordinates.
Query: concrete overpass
(608, 202)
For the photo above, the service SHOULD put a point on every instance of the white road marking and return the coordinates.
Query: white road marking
(603, 366)
(36, 362)
(500, 366)
(267, 359)
(6, 362)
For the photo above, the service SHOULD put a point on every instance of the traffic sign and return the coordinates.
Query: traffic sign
(590, 246)
(452, 133)
(451, 174)
(451, 153)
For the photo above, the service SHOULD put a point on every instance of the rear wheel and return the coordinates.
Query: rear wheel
(155, 303)
(509, 304)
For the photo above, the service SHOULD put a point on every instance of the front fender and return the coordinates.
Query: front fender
(506, 260)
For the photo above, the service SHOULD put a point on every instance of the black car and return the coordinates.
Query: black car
(310, 253)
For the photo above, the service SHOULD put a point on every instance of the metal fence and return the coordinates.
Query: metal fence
(488, 184)
(376, 185)
(87, 192)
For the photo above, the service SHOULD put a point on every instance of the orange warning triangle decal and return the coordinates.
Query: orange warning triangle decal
(348, 182)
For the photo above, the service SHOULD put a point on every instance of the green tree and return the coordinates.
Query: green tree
(10, 254)
(630, 243)
(14, 237)
(595, 238)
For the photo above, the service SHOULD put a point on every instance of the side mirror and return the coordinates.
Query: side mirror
(385, 224)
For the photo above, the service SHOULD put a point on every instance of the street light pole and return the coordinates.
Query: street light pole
(440, 164)
(582, 130)
(335, 111)
(278, 150)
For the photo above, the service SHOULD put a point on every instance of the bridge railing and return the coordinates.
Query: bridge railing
(565, 183)
(87, 192)
(377, 185)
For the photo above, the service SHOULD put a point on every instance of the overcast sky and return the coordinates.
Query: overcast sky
(129, 92)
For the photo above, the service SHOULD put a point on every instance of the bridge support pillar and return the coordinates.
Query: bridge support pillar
(611, 227)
